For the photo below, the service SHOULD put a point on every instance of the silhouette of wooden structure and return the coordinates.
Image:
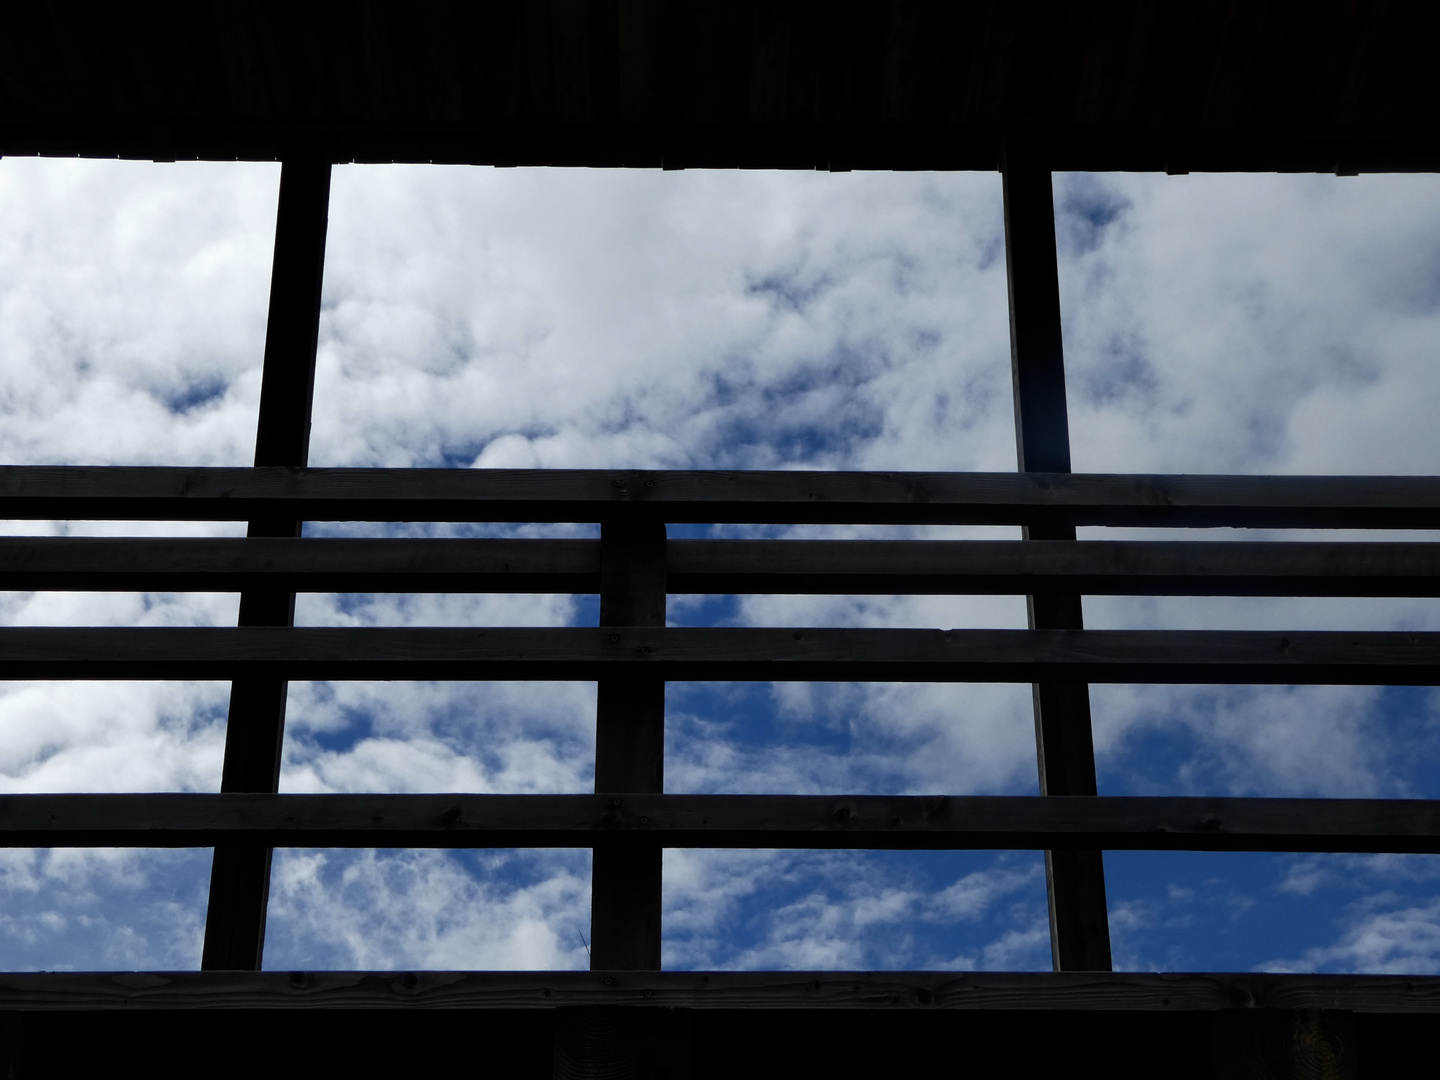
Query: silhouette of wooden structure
(1323, 85)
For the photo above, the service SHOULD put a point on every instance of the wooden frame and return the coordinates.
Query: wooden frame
(646, 82)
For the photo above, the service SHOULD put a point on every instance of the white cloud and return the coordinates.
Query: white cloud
(553, 318)
(132, 302)
(102, 909)
(1251, 323)
(788, 910)
(372, 910)
(1398, 941)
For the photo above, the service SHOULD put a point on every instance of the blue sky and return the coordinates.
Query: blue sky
(532, 318)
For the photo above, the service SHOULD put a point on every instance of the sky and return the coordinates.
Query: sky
(477, 317)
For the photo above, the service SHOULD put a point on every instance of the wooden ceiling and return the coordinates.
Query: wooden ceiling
(1179, 85)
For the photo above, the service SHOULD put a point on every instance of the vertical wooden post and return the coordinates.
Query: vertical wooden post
(1075, 880)
(240, 873)
(629, 750)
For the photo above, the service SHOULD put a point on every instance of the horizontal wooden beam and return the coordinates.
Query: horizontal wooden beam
(903, 991)
(560, 495)
(724, 654)
(726, 566)
(722, 821)
(313, 565)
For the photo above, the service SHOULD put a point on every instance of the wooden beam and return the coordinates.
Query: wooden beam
(629, 821)
(1399, 658)
(796, 498)
(1075, 879)
(887, 567)
(296, 565)
(240, 873)
(883, 991)
(629, 747)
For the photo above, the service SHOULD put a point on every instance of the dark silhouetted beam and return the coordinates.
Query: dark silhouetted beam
(900, 991)
(727, 566)
(628, 821)
(220, 494)
(1075, 879)
(629, 748)
(1361, 658)
(240, 874)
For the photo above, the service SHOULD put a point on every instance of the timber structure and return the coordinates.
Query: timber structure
(1309, 85)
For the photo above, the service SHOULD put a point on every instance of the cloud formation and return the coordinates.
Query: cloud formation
(478, 318)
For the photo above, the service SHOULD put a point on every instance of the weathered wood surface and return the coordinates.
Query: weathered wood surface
(723, 821)
(880, 990)
(887, 567)
(724, 653)
(235, 494)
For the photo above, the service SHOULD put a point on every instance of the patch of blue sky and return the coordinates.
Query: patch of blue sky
(1241, 911)
(98, 909)
(854, 910)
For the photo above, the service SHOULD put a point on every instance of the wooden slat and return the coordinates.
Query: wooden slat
(901, 991)
(631, 821)
(223, 494)
(309, 565)
(887, 567)
(707, 654)
(1150, 568)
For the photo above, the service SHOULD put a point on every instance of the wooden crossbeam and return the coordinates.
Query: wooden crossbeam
(1150, 568)
(634, 822)
(562, 495)
(885, 991)
(1397, 658)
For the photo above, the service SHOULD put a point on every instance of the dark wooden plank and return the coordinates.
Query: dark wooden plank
(254, 732)
(631, 821)
(293, 565)
(886, 567)
(900, 991)
(703, 654)
(287, 381)
(1037, 367)
(222, 494)
(629, 749)
(1064, 745)
(1201, 568)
